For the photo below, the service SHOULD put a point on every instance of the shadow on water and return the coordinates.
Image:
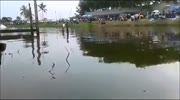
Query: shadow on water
(67, 39)
(2, 48)
(142, 48)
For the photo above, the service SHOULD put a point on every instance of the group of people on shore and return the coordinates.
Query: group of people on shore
(127, 17)
(154, 15)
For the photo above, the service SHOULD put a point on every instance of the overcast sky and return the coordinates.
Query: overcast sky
(59, 9)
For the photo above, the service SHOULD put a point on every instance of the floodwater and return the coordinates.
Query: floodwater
(103, 64)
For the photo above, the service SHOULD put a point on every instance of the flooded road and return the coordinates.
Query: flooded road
(103, 64)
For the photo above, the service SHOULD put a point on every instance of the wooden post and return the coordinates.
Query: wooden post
(67, 27)
(36, 16)
(31, 21)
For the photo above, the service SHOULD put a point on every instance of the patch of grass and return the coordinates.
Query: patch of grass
(41, 25)
(85, 26)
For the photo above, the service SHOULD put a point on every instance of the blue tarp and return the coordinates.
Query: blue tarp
(174, 8)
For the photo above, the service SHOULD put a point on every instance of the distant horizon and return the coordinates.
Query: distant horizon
(55, 9)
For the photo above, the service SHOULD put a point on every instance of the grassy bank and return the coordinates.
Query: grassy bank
(83, 25)
(41, 25)
(130, 23)
(127, 26)
(145, 23)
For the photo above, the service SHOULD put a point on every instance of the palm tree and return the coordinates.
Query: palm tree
(42, 9)
(25, 12)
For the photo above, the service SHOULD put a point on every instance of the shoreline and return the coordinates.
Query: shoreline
(133, 24)
(109, 23)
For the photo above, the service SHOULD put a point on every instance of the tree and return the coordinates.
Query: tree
(91, 5)
(9, 19)
(6, 20)
(42, 9)
(18, 18)
(79, 11)
(25, 12)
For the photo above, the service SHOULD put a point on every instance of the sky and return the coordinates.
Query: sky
(55, 9)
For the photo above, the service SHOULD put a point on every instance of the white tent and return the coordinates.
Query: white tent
(156, 12)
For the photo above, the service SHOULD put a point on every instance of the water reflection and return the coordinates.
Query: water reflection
(142, 49)
(32, 46)
(67, 60)
(63, 32)
(67, 39)
(38, 50)
(90, 71)
(67, 31)
(45, 42)
(51, 73)
(29, 42)
(114, 45)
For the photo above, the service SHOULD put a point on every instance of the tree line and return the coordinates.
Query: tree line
(24, 12)
(93, 5)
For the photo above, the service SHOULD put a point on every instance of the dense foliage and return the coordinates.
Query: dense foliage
(92, 5)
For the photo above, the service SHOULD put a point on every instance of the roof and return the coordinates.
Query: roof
(113, 11)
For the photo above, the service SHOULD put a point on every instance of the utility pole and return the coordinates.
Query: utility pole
(36, 16)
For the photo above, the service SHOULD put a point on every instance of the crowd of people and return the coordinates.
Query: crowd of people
(154, 15)
(116, 17)
(124, 17)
